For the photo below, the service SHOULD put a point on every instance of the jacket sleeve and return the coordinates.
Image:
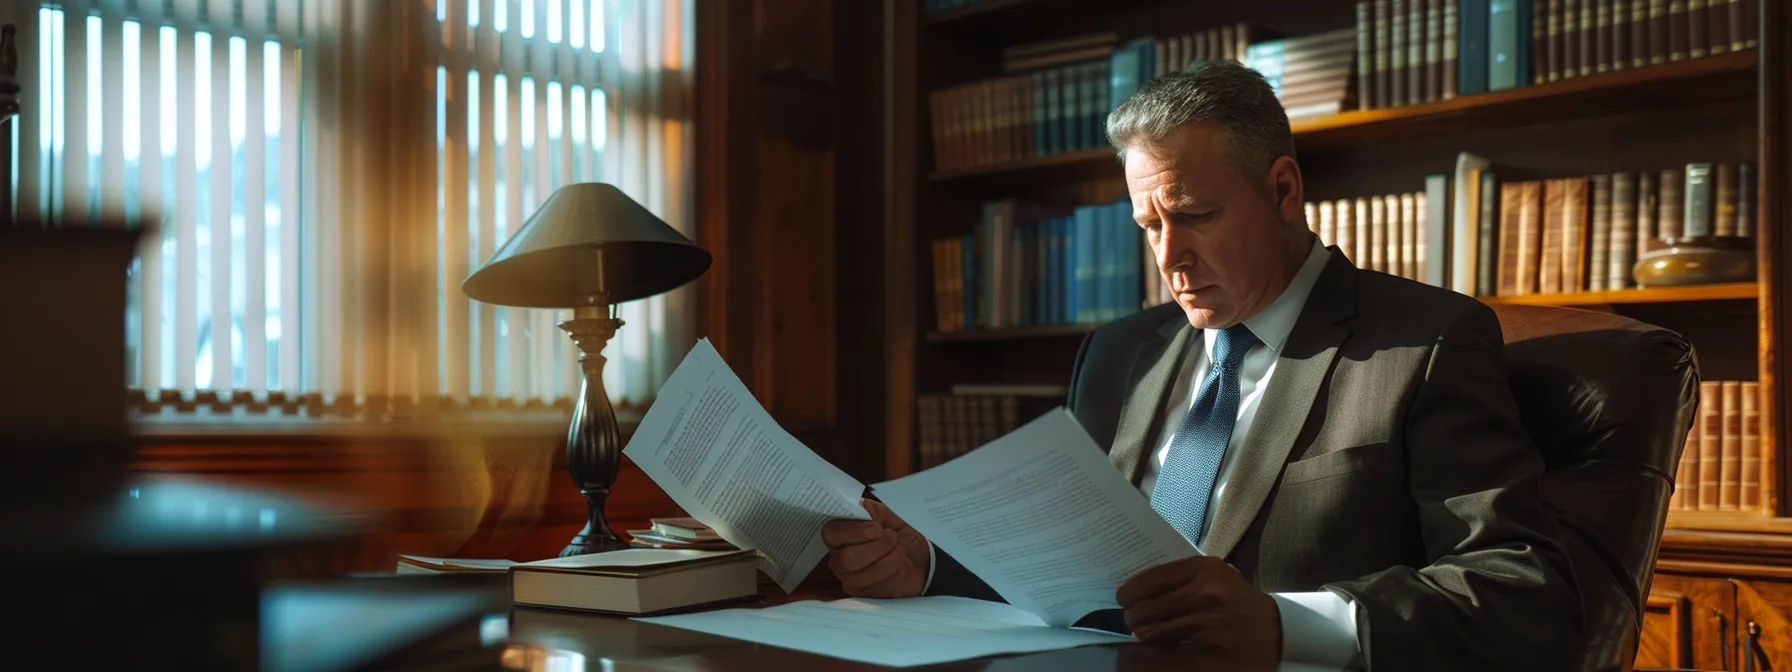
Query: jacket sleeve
(1499, 591)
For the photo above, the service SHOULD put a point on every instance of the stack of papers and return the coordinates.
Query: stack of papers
(1038, 514)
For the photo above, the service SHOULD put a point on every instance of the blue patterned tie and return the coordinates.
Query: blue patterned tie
(1185, 483)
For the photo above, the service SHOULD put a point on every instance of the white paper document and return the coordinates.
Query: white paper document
(708, 443)
(1041, 517)
(897, 633)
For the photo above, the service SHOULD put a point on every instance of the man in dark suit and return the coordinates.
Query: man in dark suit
(1341, 445)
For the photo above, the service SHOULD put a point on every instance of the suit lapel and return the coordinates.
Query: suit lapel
(1159, 357)
(1301, 369)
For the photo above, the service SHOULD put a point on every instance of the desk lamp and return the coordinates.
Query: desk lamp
(588, 248)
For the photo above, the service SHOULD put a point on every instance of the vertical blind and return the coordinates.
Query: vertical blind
(315, 179)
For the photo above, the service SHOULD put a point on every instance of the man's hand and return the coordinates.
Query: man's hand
(1203, 603)
(883, 557)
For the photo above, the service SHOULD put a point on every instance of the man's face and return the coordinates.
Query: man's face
(1226, 244)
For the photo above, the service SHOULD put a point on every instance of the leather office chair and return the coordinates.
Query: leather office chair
(1609, 401)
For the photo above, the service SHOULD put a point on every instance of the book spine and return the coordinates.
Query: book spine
(1729, 479)
(1658, 32)
(1599, 259)
(1530, 236)
(1384, 55)
(1378, 234)
(1751, 23)
(1488, 233)
(1434, 48)
(1435, 229)
(1412, 213)
(1711, 432)
(1697, 35)
(1577, 197)
(1570, 61)
(1511, 203)
(1750, 473)
(1646, 226)
(1328, 226)
(1639, 33)
(1503, 35)
(1345, 230)
(1602, 45)
(1363, 223)
(1697, 214)
(1552, 41)
(1723, 221)
(1686, 478)
(1451, 27)
(1677, 27)
(1745, 200)
(1416, 38)
(1365, 57)
(1622, 251)
(1717, 21)
(1620, 40)
(1537, 42)
(1669, 190)
(1587, 61)
(1738, 25)
(1555, 210)
(1472, 60)
(1397, 31)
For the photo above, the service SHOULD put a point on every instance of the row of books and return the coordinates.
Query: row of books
(1576, 38)
(1545, 236)
(1029, 264)
(950, 425)
(1720, 467)
(1054, 97)
(1379, 233)
(1310, 74)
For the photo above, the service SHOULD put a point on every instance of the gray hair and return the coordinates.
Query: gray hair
(1237, 97)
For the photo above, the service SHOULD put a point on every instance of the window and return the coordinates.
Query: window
(314, 186)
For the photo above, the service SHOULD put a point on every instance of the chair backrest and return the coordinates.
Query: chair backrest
(1609, 401)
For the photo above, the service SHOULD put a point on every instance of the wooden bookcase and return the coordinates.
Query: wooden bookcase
(1730, 107)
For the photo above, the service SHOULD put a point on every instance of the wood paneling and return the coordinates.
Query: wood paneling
(789, 185)
(1710, 613)
(1666, 638)
(1764, 609)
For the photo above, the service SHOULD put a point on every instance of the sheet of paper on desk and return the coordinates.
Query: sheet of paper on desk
(710, 445)
(1041, 517)
(897, 633)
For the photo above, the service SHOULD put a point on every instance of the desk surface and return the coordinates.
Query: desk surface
(546, 639)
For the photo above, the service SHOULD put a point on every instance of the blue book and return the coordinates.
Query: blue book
(1042, 95)
(1082, 298)
(1508, 44)
(1471, 46)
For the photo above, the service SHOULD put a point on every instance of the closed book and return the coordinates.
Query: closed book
(1344, 211)
(1745, 200)
(1364, 220)
(636, 580)
(1586, 62)
(1599, 254)
(1378, 234)
(1686, 477)
(1417, 69)
(1511, 200)
(1711, 434)
(1508, 27)
(1668, 218)
(1677, 28)
(1602, 35)
(1555, 225)
(1434, 259)
(1552, 39)
(684, 527)
(1471, 56)
(1639, 33)
(418, 564)
(1751, 23)
(1717, 26)
(1488, 222)
(1539, 41)
(1723, 219)
(1412, 241)
(1621, 252)
(1698, 36)
(1577, 197)
(1567, 18)
(1452, 44)
(1698, 214)
(1620, 32)
(1646, 212)
(1659, 44)
(1327, 228)
(1434, 50)
(1397, 33)
(1750, 396)
(1384, 55)
(1729, 477)
(1365, 56)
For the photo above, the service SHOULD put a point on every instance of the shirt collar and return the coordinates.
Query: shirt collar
(1273, 324)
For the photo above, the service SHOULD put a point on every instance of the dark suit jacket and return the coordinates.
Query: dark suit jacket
(1387, 463)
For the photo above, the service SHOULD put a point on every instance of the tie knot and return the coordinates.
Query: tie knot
(1231, 345)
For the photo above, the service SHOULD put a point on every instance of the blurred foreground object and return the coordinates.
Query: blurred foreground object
(589, 248)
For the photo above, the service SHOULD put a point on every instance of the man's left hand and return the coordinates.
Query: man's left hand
(1204, 603)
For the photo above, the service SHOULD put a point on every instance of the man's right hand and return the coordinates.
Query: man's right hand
(882, 557)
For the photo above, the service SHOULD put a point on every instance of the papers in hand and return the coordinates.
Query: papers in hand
(1041, 517)
(710, 445)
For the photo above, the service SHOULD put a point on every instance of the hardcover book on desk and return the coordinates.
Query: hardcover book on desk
(637, 581)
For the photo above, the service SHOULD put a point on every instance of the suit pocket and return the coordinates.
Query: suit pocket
(1355, 458)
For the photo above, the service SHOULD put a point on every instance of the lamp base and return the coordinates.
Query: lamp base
(593, 444)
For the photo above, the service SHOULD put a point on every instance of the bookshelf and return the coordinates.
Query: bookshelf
(1732, 107)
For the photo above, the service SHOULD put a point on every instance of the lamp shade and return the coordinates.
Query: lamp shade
(587, 239)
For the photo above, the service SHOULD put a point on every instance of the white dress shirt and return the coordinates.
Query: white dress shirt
(1320, 627)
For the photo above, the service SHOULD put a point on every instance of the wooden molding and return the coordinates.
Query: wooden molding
(1715, 553)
